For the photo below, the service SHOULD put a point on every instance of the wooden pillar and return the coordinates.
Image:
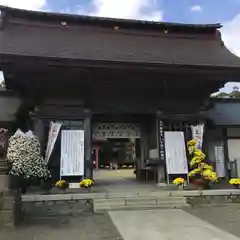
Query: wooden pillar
(143, 154)
(225, 149)
(143, 147)
(97, 158)
(38, 129)
(88, 163)
(161, 147)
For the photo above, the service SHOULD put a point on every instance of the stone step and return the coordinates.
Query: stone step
(3, 168)
(140, 203)
(140, 207)
(139, 200)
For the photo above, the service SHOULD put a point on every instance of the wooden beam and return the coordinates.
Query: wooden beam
(88, 163)
(23, 62)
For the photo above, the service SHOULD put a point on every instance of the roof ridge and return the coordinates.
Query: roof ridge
(108, 19)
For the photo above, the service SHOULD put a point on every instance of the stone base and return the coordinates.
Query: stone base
(161, 184)
(10, 209)
(4, 182)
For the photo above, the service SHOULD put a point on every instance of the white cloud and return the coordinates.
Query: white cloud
(24, 4)
(231, 37)
(228, 87)
(196, 8)
(231, 34)
(131, 9)
(1, 77)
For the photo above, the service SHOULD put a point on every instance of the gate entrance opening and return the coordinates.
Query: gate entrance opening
(116, 149)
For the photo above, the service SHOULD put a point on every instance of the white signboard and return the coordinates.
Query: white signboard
(233, 149)
(197, 134)
(220, 167)
(72, 153)
(52, 137)
(175, 149)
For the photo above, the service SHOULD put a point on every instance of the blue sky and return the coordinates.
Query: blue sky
(173, 10)
(226, 12)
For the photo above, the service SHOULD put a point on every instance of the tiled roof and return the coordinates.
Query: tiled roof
(48, 16)
(181, 46)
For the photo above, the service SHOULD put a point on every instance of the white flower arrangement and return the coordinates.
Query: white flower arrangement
(24, 154)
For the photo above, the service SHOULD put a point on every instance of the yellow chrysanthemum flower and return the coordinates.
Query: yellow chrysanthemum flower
(86, 183)
(200, 154)
(205, 166)
(234, 181)
(191, 149)
(192, 142)
(194, 172)
(61, 184)
(179, 181)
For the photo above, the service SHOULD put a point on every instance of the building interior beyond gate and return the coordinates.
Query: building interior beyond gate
(117, 153)
(114, 153)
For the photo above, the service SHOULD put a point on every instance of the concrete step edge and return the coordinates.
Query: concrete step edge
(140, 204)
(148, 201)
(140, 199)
(142, 207)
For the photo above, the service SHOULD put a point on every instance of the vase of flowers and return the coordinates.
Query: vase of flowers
(201, 173)
(62, 184)
(235, 182)
(86, 184)
(180, 182)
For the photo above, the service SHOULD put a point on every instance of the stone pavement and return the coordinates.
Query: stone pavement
(171, 225)
(83, 227)
(225, 217)
(211, 223)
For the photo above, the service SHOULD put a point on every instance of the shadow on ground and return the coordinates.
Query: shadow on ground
(225, 217)
(84, 227)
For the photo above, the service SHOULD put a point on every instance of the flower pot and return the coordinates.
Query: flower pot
(23, 184)
(13, 182)
(18, 183)
(35, 182)
(201, 183)
(180, 187)
(86, 189)
(46, 185)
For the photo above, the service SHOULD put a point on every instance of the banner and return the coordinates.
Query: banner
(52, 137)
(72, 153)
(220, 166)
(176, 158)
(197, 134)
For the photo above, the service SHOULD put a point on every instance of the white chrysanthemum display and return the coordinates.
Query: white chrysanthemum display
(24, 153)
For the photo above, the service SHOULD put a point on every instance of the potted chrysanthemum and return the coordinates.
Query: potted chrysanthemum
(235, 182)
(180, 182)
(62, 184)
(26, 164)
(86, 184)
(201, 174)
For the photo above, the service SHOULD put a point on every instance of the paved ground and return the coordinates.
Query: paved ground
(178, 224)
(116, 175)
(226, 218)
(122, 180)
(211, 223)
(84, 227)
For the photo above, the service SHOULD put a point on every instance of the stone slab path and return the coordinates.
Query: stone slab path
(166, 225)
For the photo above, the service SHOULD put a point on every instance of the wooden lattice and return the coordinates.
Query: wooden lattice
(116, 130)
